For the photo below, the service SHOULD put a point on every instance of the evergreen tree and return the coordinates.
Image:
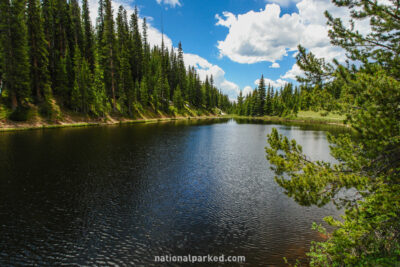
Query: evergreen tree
(48, 7)
(268, 101)
(76, 97)
(261, 95)
(88, 38)
(207, 93)
(62, 73)
(1, 67)
(240, 104)
(100, 24)
(126, 82)
(15, 52)
(137, 49)
(62, 60)
(181, 71)
(144, 97)
(100, 104)
(177, 99)
(146, 47)
(367, 162)
(109, 54)
(39, 74)
(76, 25)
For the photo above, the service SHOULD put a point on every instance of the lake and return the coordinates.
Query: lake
(121, 195)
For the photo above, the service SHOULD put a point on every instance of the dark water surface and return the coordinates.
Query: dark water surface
(121, 195)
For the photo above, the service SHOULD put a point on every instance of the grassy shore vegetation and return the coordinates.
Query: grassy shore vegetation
(76, 119)
(307, 103)
(55, 67)
(365, 181)
(308, 117)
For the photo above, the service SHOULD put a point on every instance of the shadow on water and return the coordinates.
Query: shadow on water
(124, 194)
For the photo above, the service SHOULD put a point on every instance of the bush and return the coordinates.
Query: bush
(324, 114)
(20, 114)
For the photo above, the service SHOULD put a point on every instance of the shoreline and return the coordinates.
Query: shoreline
(115, 121)
(28, 126)
(304, 120)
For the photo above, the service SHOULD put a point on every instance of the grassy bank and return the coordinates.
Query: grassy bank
(309, 117)
(71, 119)
(26, 126)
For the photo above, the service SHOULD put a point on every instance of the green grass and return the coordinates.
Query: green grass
(4, 113)
(313, 115)
(88, 124)
(65, 118)
(309, 117)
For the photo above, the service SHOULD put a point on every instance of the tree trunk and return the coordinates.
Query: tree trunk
(14, 101)
(38, 93)
(112, 81)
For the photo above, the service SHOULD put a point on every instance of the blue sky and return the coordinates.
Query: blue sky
(238, 40)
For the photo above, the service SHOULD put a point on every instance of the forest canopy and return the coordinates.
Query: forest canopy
(52, 57)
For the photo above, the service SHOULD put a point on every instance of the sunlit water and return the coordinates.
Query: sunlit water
(124, 194)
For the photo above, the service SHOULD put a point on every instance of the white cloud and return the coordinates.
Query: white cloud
(259, 36)
(196, 61)
(284, 3)
(247, 90)
(276, 84)
(154, 36)
(293, 72)
(275, 65)
(172, 3)
(268, 35)
(228, 21)
(94, 8)
(205, 68)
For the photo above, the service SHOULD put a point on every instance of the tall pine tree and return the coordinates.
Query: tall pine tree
(39, 74)
(15, 51)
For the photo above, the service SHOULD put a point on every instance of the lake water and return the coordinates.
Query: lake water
(121, 195)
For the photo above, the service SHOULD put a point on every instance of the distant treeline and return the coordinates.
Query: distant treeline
(52, 57)
(286, 100)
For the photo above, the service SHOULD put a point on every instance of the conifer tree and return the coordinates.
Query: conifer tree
(144, 97)
(76, 93)
(62, 73)
(39, 73)
(368, 161)
(100, 24)
(127, 85)
(49, 32)
(240, 104)
(15, 52)
(61, 59)
(109, 54)
(137, 49)
(100, 104)
(88, 38)
(268, 101)
(177, 98)
(181, 71)
(76, 25)
(198, 100)
(146, 47)
(82, 95)
(1, 67)
(261, 96)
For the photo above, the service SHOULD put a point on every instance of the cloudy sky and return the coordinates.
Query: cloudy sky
(238, 40)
